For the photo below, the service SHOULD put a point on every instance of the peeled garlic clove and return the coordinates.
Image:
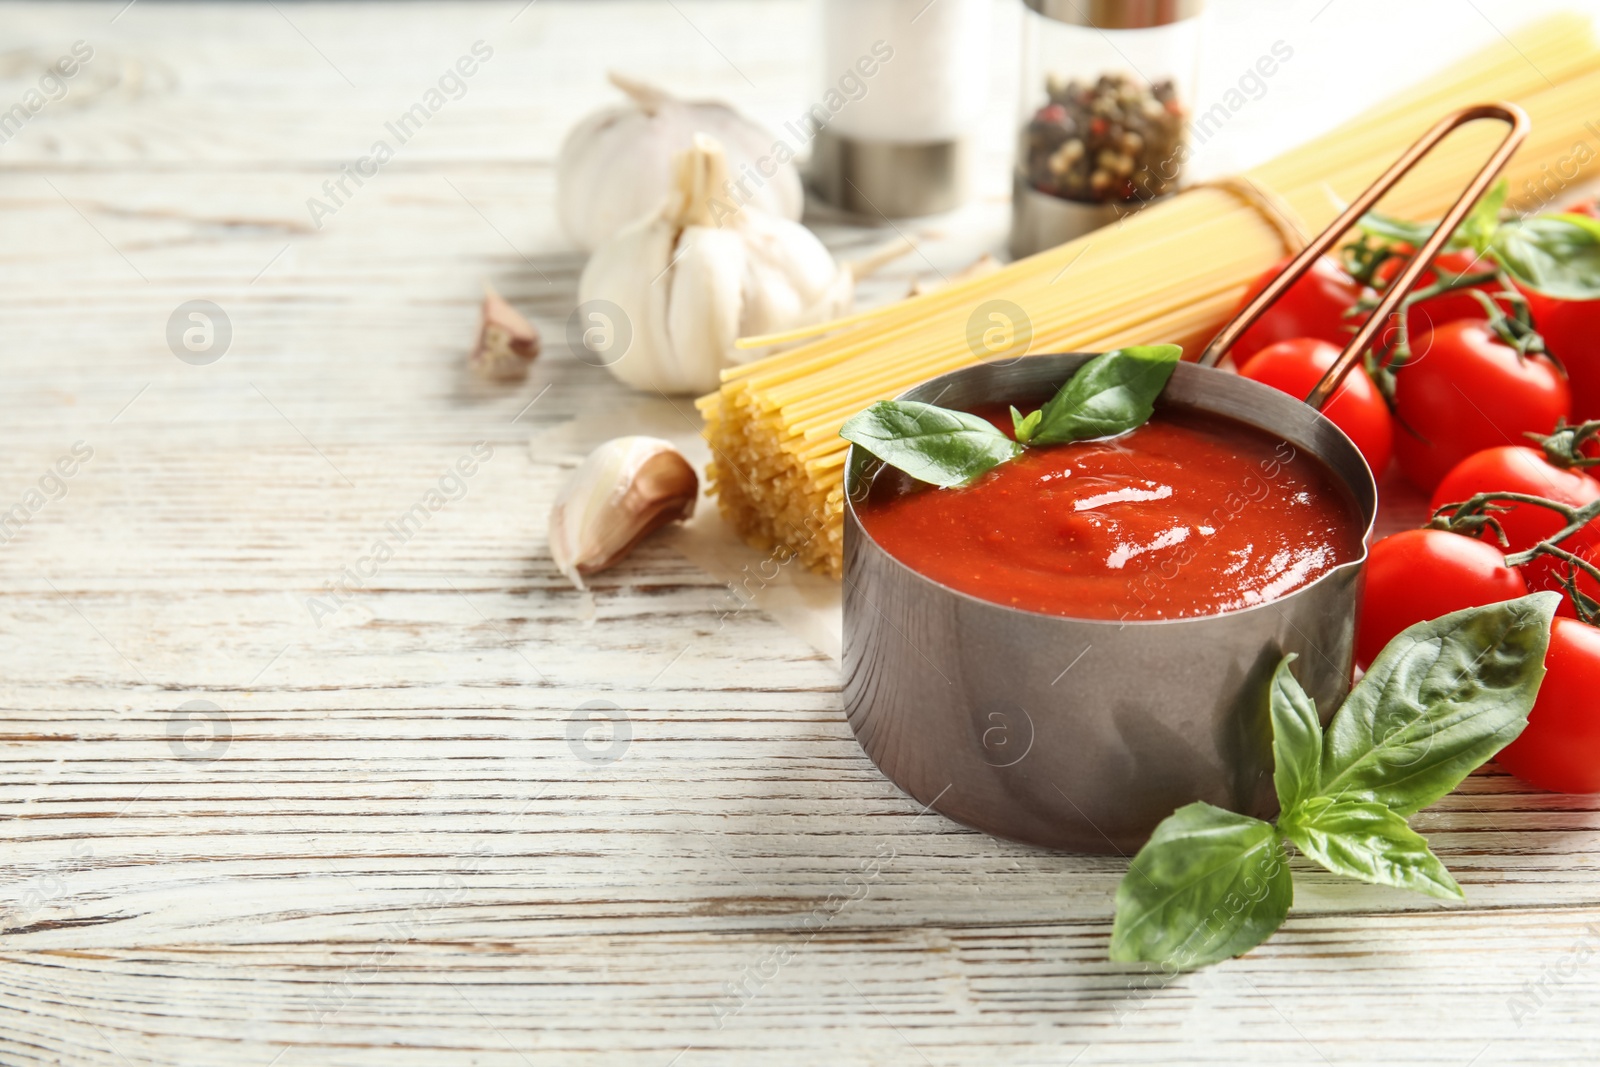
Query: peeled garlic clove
(507, 342)
(623, 490)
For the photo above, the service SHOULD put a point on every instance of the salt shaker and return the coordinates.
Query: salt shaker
(904, 85)
(1105, 107)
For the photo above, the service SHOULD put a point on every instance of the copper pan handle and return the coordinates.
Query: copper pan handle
(1512, 115)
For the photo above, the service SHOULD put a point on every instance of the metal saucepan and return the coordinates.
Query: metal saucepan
(970, 706)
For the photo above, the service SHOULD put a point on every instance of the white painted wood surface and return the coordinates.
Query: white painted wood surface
(383, 848)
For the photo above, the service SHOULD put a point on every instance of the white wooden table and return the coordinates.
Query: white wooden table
(387, 835)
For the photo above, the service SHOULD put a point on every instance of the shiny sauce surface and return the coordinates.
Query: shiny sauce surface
(1190, 514)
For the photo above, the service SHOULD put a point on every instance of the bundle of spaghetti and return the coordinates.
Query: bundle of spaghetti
(1170, 273)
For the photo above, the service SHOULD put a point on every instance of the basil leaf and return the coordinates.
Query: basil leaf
(1208, 885)
(1559, 255)
(1296, 739)
(1111, 394)
(932, 444)
(1365, 840)
(1438, 701)
(1024, 427)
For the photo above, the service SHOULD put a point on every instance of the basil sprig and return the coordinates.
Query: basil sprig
(1110, 394)
(1556, 254)
(1441, 699)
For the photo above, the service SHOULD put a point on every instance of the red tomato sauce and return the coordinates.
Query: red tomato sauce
(1190, 514)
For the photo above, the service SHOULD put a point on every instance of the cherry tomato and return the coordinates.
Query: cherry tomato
(1518, 469)
(1313, 307)
(1416, 575)
(1449, 307)
(1571, 331)
(1590, 208)
(1560, 749)
(1464, 391)
(1295, 367)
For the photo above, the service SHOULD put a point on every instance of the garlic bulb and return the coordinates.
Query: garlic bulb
(617, 165)
(623, 490)
(703, 271)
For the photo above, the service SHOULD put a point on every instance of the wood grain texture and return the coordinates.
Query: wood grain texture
(391, 841)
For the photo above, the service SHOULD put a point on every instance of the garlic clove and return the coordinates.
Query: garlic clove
(704, 301)
(633, 270)
(791, 281)
(621, 493)
(507, 343)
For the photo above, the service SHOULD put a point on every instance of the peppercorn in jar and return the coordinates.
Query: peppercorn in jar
(1115, 139)
(1104, 112)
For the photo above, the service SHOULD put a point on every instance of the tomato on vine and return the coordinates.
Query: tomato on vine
(1554, 262)
(1470, 385)
(1571, 332)
(1428, 312)
(1560, 748)
(1296, 366)
(1553, 471)
(1314, 306)
(1417, 575)
(1422, 574)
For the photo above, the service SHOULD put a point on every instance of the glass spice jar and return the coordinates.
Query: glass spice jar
(1105, 106)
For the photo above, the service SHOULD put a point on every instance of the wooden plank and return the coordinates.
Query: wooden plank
(386, 836)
